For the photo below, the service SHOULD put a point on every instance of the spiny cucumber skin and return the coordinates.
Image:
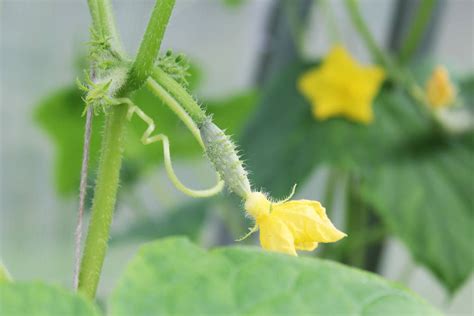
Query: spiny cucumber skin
(221, 151)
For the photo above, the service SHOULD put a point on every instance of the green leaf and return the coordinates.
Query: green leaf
(186, 219)
(419, 175)
(174, 277)
(60, 116)
(426, 198)
(466, 87)
(283, 143)
(35, 299)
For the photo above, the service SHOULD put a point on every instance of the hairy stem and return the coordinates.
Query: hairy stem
(417, 29)
(104, 201)
(160, 92)
(150, 45)
(103, 22)
(112, 141)
(180, 94)
(95, 15)
(82, 195)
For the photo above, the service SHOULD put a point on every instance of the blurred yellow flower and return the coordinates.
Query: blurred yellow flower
(288, 226)
(341, 87)
(439, 90)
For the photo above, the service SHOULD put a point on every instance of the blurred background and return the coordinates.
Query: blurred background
(235, 47)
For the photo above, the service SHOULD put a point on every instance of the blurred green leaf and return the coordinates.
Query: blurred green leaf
(233, 3)
(466, 87)
(186, 219)
(60, 116)
(423, 69)
(35, 299)
(4, 275)
(174, 277)
(418, 176)
(426, 197)
(283, 143)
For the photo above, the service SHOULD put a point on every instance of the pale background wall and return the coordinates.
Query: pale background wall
(38, 45)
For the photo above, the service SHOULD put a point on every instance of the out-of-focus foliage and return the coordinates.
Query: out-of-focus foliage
(233, 3)
(38, 299)
(188, 219)
(60, 116)
(426, 197)
(173, 276)
(185, 219)
(4, 275)
(419, 178)
(284, 135)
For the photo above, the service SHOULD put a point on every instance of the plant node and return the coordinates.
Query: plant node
(175, 65)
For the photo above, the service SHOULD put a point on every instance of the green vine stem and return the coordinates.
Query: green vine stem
(104, 201)
(402, 77)
(149, 48)
(103, 22)
(332, 183)
(180, 94)
(173, 104)
(417, 29)
(112, 142)
(356, 224)
(379, 56)
(331, 22)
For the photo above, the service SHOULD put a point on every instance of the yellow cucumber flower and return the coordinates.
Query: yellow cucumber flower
(439, 90)
(287, 226)
(342, 87)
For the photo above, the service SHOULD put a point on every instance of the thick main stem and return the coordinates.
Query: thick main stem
(150, 45)
(104, 201)
(112, 141)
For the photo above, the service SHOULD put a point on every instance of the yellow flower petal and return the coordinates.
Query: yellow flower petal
(305, 84)
(340, 86)
(306, 246)
(308, 221)
(275, 235)
(287, 226)
(439, 90)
